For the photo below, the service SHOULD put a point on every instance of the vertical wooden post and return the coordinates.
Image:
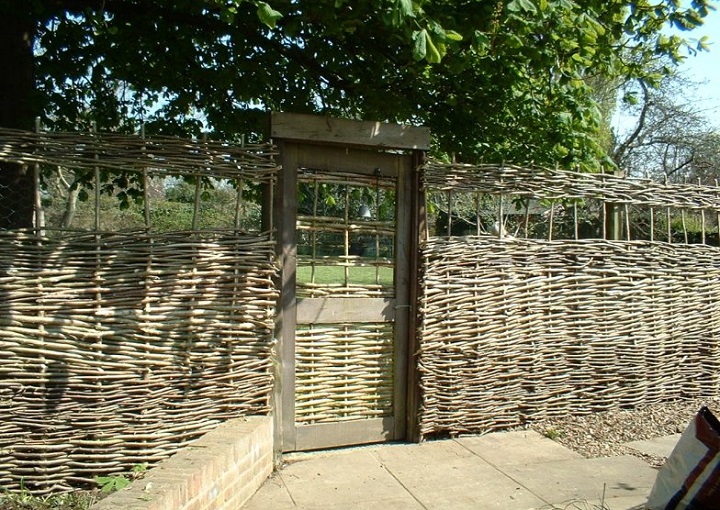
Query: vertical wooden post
(717, 218)
(612, 220)
(575, 217)
(39, 219)
(449, 213)
(418, 235)
(285, 215)
(146, 183)
(627, 222)
(97, 186)
(702, 218)
(552, 220)
(198, 197)
(652, 224)
(668, 217)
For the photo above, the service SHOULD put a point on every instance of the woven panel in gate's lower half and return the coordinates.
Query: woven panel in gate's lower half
(120, 349)
(520, 329)
(343, 372)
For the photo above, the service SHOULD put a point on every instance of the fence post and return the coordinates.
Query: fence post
(39, 213)
(146, 182)
(612, 217)
(96, 180)
(268, 200)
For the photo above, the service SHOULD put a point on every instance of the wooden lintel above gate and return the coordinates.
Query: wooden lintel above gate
(329, 130)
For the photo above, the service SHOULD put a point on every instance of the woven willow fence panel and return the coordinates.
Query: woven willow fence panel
(521, 329)
(124, 153)
(344, 372)
(120, 348)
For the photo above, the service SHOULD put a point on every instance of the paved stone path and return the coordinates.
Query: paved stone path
(518, 470)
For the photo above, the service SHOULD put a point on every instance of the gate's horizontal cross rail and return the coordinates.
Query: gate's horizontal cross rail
(371, 430)
(335, 310)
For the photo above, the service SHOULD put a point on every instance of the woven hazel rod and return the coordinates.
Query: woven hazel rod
(196, 204)
(717, 219)
(627, 222)
(652, 224)
(39, 221)
(575, 221)
(449, 213)
(239, 203)
(97, 183)
(346, 235)
(313, 233)
(702, 220)
(146, 185)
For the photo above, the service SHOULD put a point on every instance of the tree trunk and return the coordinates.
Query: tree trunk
(17, 91)
(70, 208)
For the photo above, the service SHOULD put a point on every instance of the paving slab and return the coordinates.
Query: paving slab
(519, 470)
(660, 446)
(272, 494)
(444, 474)
(586, 479)
(517, 447)
(352, 479)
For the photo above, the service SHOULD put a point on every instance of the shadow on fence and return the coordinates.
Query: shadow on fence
(119, 347)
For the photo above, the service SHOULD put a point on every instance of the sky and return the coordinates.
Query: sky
(705, 67)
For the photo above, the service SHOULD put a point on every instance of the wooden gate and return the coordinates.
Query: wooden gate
(346, 209)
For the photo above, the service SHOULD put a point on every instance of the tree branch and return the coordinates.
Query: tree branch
(625, 146)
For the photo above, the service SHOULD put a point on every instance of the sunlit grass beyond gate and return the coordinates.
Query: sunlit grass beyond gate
(357, 275)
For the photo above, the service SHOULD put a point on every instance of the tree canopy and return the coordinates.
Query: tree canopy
(494, 80)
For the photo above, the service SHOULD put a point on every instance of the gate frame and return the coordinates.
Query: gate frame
(289, 131)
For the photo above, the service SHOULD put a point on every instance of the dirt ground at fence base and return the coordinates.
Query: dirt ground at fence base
(517, 470)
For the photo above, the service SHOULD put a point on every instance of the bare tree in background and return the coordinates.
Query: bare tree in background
(671, 136)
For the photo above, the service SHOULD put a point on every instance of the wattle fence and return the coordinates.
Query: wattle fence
(118, 348)
(518, 328)
(542, 292)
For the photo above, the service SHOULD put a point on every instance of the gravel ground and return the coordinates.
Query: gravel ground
(603, 434)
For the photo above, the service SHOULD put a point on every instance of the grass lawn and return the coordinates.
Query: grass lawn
(358, 275)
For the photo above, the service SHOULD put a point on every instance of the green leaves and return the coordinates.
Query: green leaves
(432, 44)
(267, 14)
(522, 6)
(420, 44)
(494, 80)
(433, 54)
(399, 11)
(112, 483)
(703, 44)
(452, 35)
(424, 47)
